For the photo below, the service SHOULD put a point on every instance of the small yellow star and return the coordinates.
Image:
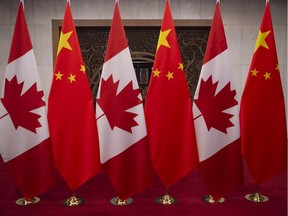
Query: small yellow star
(162, 39)
(254, 72)
(63, 41)
(261, 40)
(277, 67)
(58, 75)
(156, 73)
(72, 78)
(83, 68)
(181, 67)
(169, 75)
(267, 75)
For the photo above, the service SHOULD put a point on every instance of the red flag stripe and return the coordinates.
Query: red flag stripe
(116, 42)
(20, 47)
(217, 42)
(32, 170)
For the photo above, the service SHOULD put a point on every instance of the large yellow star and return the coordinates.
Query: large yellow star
(63, 41)
(72, 78)
(254, 72)
(261, 40)
(83, 68)
(267, 75)
(162, 39)
(169, 75)
(156, 73)
(58, 76)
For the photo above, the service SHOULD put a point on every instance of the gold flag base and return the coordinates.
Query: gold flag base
(73, 201)
(24, 202)
(117, 201)
(210, 199)
(166, 200)
(256, 197)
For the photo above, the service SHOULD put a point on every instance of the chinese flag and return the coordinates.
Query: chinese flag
(216, 111)
(168, 110)
(262, 114)
(25, 140)
(120, 118)
(71, 111)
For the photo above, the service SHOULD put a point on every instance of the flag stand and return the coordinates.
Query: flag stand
(73, 201)
(257, 196)
(23, 201)
(166, 199)
(210, 199)
(119, 202)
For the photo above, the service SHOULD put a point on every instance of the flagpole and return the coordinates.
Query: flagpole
(166, 199)
(73, 200)
(257, 196)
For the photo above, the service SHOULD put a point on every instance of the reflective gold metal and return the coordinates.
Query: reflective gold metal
(23, 201)
(256, 197)
(166, 200)
(210, 199)
(73, 201)
(117, 201)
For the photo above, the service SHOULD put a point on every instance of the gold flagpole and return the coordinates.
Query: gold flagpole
(119, 202)
(166, 199)
(257, 196)
(24, 201)
(73, 200)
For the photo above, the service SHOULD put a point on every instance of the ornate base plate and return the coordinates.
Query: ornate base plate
(166, 200)
(209, 199)
(117, 201)
(256, 197)
(23, 201)
(73, 201)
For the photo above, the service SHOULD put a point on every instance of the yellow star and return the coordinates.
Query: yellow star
(254, 72)
(261, 40)
(83, 68)
(267, 75)
(156, 73)
(181, 67)
(277, 67)
(72, 78)
(169, 75)
(58, 75)
(63, 41)
(162, 39)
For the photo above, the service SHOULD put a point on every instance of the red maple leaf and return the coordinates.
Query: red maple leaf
(115, 105)
(212, 106)
(19, 106)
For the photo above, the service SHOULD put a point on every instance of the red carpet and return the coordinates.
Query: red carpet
(189, 191)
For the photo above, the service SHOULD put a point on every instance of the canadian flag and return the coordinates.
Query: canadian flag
(120, 118)
(216, 116)
(25, 140)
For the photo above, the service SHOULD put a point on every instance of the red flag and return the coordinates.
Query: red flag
(120, 117)
(168, 110)
(263, 121)
(71, 111)
(25, 141)
(216, 111)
